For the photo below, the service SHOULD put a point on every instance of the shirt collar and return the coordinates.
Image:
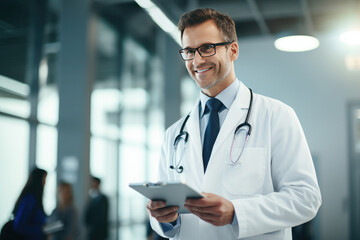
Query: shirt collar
(227, 96)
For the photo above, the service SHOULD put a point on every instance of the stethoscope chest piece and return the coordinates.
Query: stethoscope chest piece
(179, 169)
(180, 142)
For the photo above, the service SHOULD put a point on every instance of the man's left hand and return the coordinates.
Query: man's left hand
(212, 209)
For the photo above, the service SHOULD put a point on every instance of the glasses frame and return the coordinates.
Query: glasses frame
(214, 45)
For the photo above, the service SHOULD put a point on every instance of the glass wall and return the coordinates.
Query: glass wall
(47, 110)
(14, 106)
(28, 104)
(46, 150)
(14, 152)
(126, 125)
(14, 97)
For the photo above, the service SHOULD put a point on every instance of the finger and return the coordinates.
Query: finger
(172, 216)
(208, 218)
(211, 218)
(208, 194)
(201, 202)
(213, 210)
(153, 205)
(158, 213)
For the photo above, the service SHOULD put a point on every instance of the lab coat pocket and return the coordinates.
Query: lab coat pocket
(246, 176)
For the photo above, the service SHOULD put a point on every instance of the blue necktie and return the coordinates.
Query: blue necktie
(212, 129)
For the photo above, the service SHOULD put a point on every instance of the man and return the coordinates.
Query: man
(259, 181)
(96, 212)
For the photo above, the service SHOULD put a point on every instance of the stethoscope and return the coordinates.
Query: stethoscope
(184, 135)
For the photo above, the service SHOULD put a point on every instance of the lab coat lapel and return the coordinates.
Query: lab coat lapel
(194, 137)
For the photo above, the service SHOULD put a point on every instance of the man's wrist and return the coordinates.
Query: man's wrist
(173, 223)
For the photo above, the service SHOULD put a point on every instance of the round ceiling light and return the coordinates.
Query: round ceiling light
(351, 37)
(296, 43)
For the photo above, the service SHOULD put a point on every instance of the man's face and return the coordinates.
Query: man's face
(212, 74)
(94, 184)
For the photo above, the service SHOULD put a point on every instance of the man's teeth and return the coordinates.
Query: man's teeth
(203, 70)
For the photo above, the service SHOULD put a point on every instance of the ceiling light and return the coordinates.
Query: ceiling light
(296, 43)
(351, 37)
(160, 19)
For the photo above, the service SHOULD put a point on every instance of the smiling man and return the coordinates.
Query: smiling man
(247, 153)
(212, 73)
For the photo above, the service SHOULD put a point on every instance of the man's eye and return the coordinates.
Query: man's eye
(207, 47)
(190, 51)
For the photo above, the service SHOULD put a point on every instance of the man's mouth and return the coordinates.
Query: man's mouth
(202, 70)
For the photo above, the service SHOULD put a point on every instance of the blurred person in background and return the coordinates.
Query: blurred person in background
(29, 215)
(66, 213)
(96, 212)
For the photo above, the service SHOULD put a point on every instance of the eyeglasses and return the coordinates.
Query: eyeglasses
(206, 50)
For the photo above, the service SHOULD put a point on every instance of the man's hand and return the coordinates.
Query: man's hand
(212, 209)
(161, 213)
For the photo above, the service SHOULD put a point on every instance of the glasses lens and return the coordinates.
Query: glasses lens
(207, 50)
(187, 54)
(238, 145)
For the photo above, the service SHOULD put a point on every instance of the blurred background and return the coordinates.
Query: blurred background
(89, 87)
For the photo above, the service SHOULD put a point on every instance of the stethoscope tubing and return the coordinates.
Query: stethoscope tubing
(184, 134)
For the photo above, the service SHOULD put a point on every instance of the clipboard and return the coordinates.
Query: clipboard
(174, 194)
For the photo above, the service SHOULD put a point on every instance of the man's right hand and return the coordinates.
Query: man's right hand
(161, 213)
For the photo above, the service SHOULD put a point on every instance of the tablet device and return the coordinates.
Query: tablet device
(174, 194)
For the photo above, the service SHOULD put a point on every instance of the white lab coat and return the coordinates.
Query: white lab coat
(274, 186)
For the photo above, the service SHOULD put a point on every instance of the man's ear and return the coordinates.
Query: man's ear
(234, 51)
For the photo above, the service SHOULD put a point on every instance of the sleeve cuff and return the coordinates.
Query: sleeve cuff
(234, 221)
(170, 229)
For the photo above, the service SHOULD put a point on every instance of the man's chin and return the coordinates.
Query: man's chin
(203, 83)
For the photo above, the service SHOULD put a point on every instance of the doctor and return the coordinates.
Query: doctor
(258, 181)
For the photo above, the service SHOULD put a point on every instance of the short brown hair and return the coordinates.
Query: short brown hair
(225, 24)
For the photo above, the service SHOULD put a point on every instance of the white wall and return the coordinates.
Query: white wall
(318, 86)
